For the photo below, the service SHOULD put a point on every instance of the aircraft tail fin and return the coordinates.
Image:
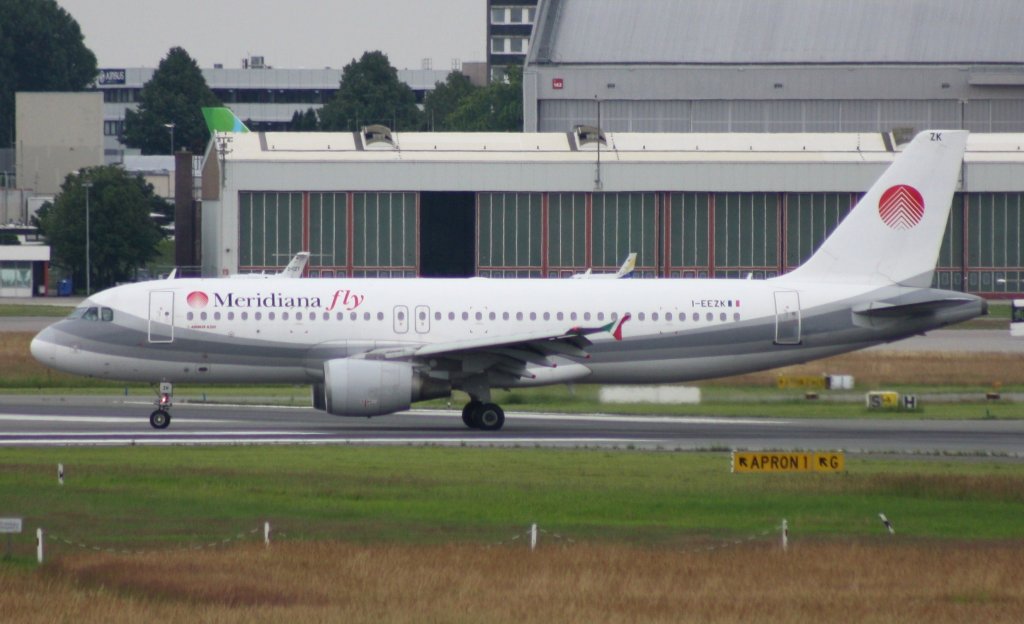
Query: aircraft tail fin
(223, 119)
(894, 233)
(295, 267)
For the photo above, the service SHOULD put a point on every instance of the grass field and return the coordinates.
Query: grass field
(411, 535)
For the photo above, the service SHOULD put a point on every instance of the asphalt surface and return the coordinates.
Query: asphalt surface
(55, 421)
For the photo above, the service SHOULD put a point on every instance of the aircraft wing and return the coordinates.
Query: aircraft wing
(507, 355)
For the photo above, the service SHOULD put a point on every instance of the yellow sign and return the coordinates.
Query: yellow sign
(776, 461)
(805, 382)
(882, 399)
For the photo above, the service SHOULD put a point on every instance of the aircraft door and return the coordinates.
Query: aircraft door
(787, 317)
(161, 316)
(422, 319)
(401, 319)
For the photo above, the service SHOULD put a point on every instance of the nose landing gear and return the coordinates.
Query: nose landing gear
(161, 417)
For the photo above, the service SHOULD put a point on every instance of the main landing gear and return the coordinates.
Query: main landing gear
(161, 418)
(483, 416)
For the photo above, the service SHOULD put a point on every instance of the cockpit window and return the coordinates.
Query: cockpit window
(92, 313)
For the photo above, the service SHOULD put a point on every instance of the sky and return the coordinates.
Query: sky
(289, 34)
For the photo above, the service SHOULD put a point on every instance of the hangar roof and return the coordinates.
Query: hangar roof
(778, 31)
(638, 147)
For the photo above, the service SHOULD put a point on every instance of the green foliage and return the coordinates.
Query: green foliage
(444, 100)
(175, 94)
(371, 93)
(304, 122)
(498, 107)
(134, 496)
(123, 236)
(41, 49)
(6, 238)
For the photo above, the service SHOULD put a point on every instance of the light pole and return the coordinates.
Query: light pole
(88, 255)
(170, 126)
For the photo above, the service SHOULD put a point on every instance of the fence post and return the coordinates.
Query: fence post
(39, 545)
(533, 536)
(266, 533)
(785, 534)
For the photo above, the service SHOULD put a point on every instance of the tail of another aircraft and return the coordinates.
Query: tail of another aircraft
(893, 234)
(222, 119)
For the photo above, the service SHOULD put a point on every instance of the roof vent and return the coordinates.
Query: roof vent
(587, 135)
(377, 135)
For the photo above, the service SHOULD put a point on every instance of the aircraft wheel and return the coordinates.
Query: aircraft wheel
(160, 419)
(490, 417)
(468, 413)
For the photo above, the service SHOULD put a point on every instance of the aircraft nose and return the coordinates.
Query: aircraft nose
(44, 348)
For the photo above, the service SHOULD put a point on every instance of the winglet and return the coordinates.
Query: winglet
(222, 119)
(617, 332)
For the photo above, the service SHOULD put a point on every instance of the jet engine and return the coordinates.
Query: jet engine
(373, 387)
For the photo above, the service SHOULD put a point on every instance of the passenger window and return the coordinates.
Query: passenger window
(696, 316)
(654, 316)
(572, 316)
(560, 316)
(547, 316)
(519, 316)
(216, 316)
(284, 316)
(640, 316)
(245, 316)
(533, 316)
(380, 316)
(270, 316)
(258, 316)
(491, 316)
(353, 316)
(722, 316)
(709, 316)
(668, 316)
(735, 316)
(190, 316)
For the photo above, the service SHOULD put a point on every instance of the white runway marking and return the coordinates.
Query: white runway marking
(95, 419)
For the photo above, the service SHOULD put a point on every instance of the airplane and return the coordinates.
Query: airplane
(624, 271)
(223, 119)
(292, 271)
(370, 347)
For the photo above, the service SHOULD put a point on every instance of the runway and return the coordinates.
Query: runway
(84, 421)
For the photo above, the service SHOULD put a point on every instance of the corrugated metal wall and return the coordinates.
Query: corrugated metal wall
(782, 115)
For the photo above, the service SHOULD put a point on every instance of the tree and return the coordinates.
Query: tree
(175, 94)
(41, 49)
(122, 236)
(498, 107)
(444, 100)
(371, 93)
(304, 122)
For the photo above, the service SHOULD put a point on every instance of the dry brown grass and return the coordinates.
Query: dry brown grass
(903, 367)
(328, 581)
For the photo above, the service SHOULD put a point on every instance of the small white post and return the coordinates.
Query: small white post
(266, 533)
(39, 545)
(60, 474)
(533, 536)
(785, 534)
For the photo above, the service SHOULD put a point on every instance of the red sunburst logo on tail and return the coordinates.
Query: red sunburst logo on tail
(901, 207)
(197, 299)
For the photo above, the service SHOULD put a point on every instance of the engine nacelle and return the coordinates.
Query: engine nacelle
(372, 387)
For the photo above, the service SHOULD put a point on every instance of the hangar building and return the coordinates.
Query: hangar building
(776, 65)
(376, 203)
